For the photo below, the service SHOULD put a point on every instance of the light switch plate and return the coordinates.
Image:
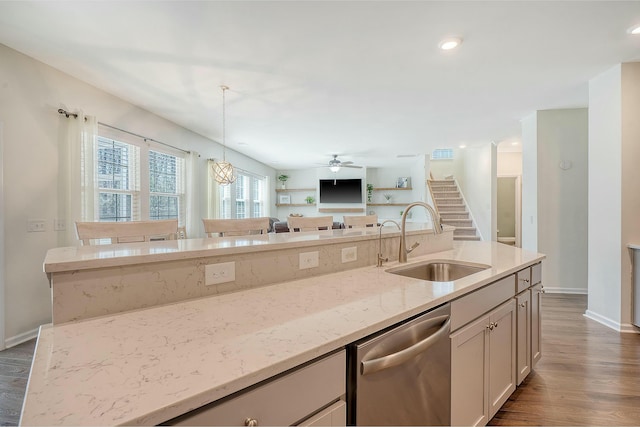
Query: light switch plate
(350, 254)
(36, 225)
(223, 272)
(308, 260)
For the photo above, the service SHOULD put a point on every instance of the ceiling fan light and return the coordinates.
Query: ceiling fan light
(334, 168)
(634, 30)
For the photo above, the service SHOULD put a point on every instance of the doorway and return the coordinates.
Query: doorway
(509, 210)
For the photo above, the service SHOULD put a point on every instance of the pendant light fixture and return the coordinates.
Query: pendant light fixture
(222, 171)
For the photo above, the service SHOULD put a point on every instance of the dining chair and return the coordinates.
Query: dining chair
(127, 231)
(310, 223)
(360, 221)
(236, 227)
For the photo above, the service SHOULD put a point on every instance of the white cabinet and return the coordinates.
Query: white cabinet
(483, 366)
(310, 395)
(523, 346)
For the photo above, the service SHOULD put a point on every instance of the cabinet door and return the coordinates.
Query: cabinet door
(334, 415)
(502, 355)
(536, 324)
(523, 335)
(469, 376)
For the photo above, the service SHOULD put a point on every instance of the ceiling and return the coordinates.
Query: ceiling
(365, 80)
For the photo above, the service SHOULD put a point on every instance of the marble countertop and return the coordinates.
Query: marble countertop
(99, 256)
(148, 366)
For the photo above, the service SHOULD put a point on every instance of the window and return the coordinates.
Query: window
(442, 154)
(137, 182)
(249, 197)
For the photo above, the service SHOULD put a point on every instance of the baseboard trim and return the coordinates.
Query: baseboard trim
(20, 338)
(625, 328)
(572, 291)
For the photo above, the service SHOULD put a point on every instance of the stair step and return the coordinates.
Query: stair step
(448, 201)
(464, 231)
(442, 182)
(466, 237)
(445, 194)
(457, 222)
(451, 208)
(454, 215)
(438, 188)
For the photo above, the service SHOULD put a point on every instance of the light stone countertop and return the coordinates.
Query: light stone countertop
(633, 246)
(99, 256)
(148, 366)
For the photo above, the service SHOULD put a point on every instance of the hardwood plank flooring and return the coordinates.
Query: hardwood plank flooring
(15, 364)
(588, 374)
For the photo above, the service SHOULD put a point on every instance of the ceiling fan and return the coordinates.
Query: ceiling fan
(334, 164)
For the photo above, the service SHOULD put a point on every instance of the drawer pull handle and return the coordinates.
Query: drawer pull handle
(251, 422)
(523, 305)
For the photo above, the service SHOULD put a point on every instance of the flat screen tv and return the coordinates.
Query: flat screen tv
(341, 191)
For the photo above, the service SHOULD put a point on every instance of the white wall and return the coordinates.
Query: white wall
(530, 182)
(605, 198)
(31, 93)
(614, 200)
(479, 186)
(562, 198)
(509, 163)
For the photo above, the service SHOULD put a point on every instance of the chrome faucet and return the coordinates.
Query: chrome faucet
(380, 259)
(435, 221)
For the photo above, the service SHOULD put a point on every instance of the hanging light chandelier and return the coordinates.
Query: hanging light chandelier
(222, 171)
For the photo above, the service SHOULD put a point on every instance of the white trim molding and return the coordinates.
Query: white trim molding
(20, 338)
(2, 245)
(559, 290)
(626, 328)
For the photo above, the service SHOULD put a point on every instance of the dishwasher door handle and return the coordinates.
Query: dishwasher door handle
(395, 359)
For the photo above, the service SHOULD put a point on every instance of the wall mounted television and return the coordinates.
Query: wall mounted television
(341, 191)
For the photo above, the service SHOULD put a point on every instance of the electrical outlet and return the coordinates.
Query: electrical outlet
(36, 225)
(219, 273)
(59, 224)
(349, 254)
(308, 260)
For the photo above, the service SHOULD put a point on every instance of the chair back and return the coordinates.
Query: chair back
(127, 232)
(236, 227)
(310, 223)
(360, 221)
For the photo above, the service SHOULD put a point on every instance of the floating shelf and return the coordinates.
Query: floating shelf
(392, 188)
(337, 210)
(387, 204)
(295, 204)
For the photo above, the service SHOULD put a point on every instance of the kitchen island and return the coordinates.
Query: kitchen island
(146, 366)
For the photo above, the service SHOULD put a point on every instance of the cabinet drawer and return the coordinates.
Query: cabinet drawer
(524, 280)
(536, 274)
(282, 401)
(474, 305)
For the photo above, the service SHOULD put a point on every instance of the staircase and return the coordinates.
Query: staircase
(452, 208)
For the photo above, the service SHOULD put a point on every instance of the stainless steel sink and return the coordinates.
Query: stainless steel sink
(438, 270)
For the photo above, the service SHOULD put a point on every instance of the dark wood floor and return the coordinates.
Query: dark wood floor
(15, 363)
(588, 375)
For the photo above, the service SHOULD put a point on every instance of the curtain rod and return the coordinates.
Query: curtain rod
(75, 116)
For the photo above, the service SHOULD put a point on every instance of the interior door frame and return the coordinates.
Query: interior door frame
(2, 245)
(518, 197)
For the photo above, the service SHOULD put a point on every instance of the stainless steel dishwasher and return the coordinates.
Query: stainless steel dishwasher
(402, 376)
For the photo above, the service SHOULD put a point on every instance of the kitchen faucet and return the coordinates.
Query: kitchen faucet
(380, 259)
(435, 221)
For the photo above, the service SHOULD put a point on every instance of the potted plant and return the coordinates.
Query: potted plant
(388, 197)
(369, 193)
(283, 178)
(310, 200)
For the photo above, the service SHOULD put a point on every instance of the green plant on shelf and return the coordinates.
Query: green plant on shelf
(388, 197)
(369, 193)
(310, 200)
(283, 178)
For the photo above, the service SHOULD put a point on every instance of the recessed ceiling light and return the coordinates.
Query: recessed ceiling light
(463, 146)
(515, 143)
(634, 30)
(450, 43)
